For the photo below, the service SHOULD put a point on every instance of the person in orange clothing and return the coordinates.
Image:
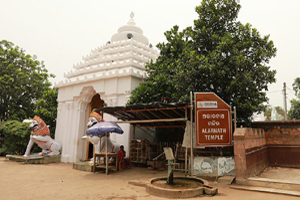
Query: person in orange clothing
(125, 162)
(121, 153)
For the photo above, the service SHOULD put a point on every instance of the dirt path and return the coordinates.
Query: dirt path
(60, 182)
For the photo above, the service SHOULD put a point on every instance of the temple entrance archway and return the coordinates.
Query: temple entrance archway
(96, 102)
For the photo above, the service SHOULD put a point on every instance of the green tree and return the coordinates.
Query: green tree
(46, 108)
(218, 54)
(23, 80)
(296, 86)
(294, 112)
(268, 111)
(15, 137)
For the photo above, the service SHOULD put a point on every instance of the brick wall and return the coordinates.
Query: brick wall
(250, 152)
(255, 149)
(284, 147)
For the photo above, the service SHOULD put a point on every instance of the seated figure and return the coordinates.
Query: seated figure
(123, 161)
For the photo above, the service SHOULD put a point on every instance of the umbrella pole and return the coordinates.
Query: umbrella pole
(106, 156)
(100, 145)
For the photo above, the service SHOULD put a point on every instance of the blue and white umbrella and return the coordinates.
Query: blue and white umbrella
(103, 128)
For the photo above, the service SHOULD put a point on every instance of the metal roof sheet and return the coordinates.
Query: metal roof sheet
(156, 114)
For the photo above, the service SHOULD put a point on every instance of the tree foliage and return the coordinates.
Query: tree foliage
(46, 108)
(15, 136)
(294, 112)
(296, 86)
(268, 111)
(23, 80)
(218, 54)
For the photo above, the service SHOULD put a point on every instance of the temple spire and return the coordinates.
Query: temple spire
(131, 21)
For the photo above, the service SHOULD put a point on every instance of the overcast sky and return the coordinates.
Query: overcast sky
(60, 32)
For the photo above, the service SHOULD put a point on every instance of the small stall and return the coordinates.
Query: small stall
(210, 132)
(151, 115)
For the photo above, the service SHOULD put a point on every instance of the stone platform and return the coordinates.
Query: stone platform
(83, 166)
(34, 159)
(88, 166)
(175, 191)
(273, 180)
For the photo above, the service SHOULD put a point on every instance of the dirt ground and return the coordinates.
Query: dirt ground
(59, 181)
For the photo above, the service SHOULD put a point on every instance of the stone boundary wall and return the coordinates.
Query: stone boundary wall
(255, 149)
(250, 152)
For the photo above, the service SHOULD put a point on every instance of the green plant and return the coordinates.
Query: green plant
(15, 136)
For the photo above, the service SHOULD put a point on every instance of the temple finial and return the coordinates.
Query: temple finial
(131, 15)
(131, 21)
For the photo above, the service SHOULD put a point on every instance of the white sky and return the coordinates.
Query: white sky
(60, 32)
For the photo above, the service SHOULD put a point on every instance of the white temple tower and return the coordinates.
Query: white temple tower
(105, 77)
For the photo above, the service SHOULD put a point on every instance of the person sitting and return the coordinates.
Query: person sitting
(122, 160)
(121, 153)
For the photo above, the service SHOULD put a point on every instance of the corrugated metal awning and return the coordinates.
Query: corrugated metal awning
(156, 114)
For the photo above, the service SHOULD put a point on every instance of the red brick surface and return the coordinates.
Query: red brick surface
(255, 149)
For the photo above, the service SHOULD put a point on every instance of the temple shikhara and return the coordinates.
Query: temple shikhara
(105, 77)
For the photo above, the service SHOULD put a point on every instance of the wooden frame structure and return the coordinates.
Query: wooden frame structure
(157, 114)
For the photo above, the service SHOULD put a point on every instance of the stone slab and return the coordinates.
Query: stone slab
(274, 180)
(138, 183)
(83, 166)
(226, 179)
(35, 159)
(210, 190)
(263, 189)
(287, 175)
(274, 183)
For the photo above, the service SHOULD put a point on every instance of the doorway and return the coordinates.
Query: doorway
(96, 102)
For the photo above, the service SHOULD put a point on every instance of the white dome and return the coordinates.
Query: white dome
(130, 31)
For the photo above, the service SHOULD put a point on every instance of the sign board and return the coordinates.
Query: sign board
(213, 120)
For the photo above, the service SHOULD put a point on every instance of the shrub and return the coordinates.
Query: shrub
(15, 137)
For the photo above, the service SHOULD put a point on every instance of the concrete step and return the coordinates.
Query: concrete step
(34, 159)
(274, 183)
(88, 166)
(265, 189)
(83, 166)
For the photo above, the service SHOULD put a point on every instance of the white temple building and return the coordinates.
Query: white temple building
(105, 77)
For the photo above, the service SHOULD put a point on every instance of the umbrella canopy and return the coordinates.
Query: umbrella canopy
(104, 127)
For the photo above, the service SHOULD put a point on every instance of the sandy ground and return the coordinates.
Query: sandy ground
(60, 181)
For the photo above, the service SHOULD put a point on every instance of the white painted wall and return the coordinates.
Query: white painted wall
(112, 71)
(214, 166)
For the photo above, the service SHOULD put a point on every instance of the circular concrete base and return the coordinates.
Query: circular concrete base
(184, 187)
